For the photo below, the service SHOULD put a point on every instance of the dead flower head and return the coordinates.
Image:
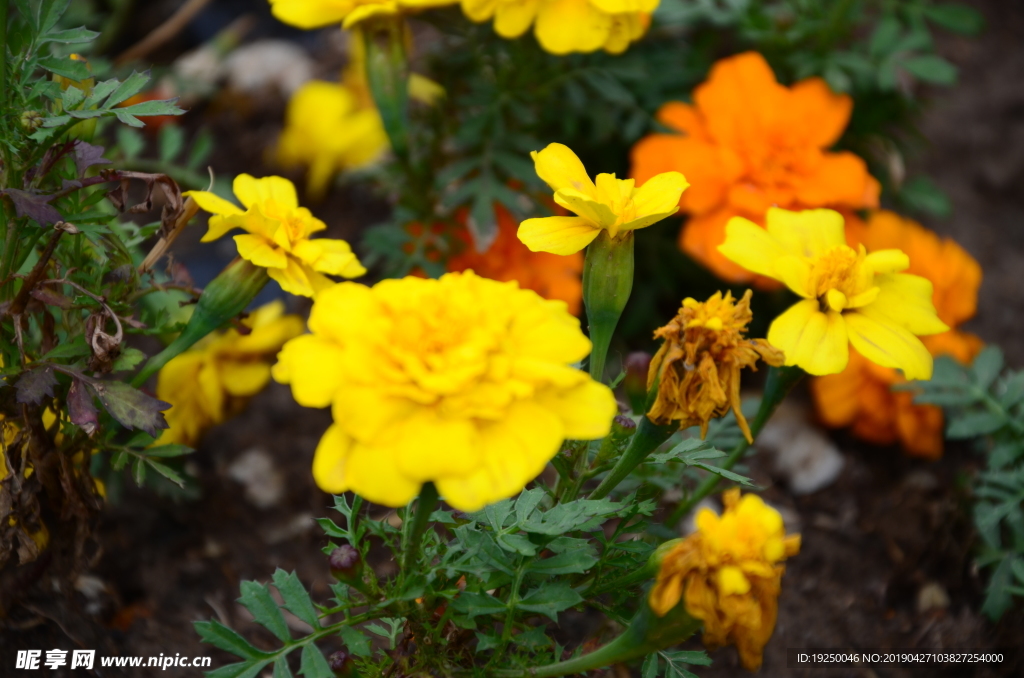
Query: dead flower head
(697, 369)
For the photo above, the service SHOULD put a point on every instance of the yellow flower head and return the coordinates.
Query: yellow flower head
(278, 236)
(328, 131)
(463, 381)
(698, 365)
(615, 205)
(728, 574)
(214, 380)
(564, 26)
(308, 14)
(849, 296)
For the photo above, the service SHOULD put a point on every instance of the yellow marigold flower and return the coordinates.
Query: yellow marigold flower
(278, 237)
(463, 381)
(698, 365)
(849, 296)
(564, 26)
(728, 574)
(318, 13)
(214, 380)
(328, 131)
(615, 205)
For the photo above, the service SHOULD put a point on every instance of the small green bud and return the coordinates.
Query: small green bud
(607, 283)
(31, 120)
(346, 563)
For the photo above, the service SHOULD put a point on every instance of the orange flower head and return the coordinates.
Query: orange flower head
(698, 366)
(861, 397)
(728, 574)
(550, 275)
(748, 143)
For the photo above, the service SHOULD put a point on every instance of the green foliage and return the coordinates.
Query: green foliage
(985, 403)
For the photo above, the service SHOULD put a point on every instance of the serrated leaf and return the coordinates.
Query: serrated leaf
(650, 667)
(473, 604)
(355, 641)
(71, 36)
(129, 358)
(66, 67)
(997, 598)
(88, 155)
(486, 642)
(527, 502)
(166, 472)
(218, 635)
(296, 598)
(313, 664)
(281, 668)
(132, 85)
(34, 206)
(550, 599)
(986, 367)
(132, 408)
(517, 543)
(249, 669)
(956, 17)
(164, 451)
(973, 424)
(570, 562)
(35, 384)
(151, 108)
(728, 475)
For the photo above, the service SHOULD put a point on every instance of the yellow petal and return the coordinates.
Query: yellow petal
(293, 279)
(244, 378)
(888, 344)
(887, 261)
(731, 580)
(815, 341)
(560, 168)
(906, 300)
(513, 18)
(752, 247)
(795, 272)
(660, 194)
(565, 26)
(334, 257)
(213, 203)
(431, 446)
(362, 12)
(251, 191)
(329, 461)
(373, 474)
(585, 206)
(558, 235)
(479, 10)
(586, 411)
(307, 14)
(313, 367)
(808, 233)
(256, 249)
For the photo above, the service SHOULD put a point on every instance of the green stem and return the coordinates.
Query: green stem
(607, 283)
(387, 75)
(425, 506)
(781, 381)
(647, 438)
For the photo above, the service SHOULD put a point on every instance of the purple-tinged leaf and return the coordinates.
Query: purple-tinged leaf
(131, 407)
(81, 409)
(33, 206)
(51, 298)
(87, 155)
(35, 385)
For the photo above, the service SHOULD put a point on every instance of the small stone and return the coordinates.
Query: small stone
(932, 596)
(804, 456)
(254, 469)
(269, 64)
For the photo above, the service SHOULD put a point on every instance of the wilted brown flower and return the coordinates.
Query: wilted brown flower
(698, 367)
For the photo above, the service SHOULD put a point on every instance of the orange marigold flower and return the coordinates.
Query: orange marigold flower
(748, 143)
(698, 365)
(728, 574)
(549, 275)
(861, 396)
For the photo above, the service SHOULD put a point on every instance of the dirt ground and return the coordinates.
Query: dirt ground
(890, 534)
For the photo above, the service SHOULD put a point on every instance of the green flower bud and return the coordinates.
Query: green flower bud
(607, 283)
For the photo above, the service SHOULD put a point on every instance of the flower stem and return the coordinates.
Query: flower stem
(425, 506)
(647, 438)
(781, 381)
(387, 74)
(607, 282)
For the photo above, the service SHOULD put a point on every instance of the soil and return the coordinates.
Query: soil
(890, 534)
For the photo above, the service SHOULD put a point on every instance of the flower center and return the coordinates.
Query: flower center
(837, 277)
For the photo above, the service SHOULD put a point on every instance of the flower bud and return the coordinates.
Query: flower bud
(346, 563)
(607, 283)
(341, 663)
(623, 429)
(637, 364)
(31, 120)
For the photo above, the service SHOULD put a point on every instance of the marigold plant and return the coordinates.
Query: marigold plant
(861, 396)
(213, 381)
(748, 143)
(728, 574)
(464, 382)
(850, 297)
(278, 234)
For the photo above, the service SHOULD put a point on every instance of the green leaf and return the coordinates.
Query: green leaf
(973, 424)
(66, 67)
(1013, 390)
(650, 667)
(356, 641)
(474, 604)
(127, 89)
(129, 358)
(150, 108)
(485, 642)
(131, 407)
(257, 599)
(139, 472)
(130, 142)
(527, 502)
(550, 599)
(172, 140)
(296, 599)
(167, 472)
(986, 367)
(922, 195)
(50, 13)
(728, 475)
(931, 68)
(885, 37)
(997, 597)
(218, 635)
(956, 17)
(570, 562)
(118, 460)
(313, 663)
(163, 451)
(517, 543)
(281, 668)
(71, 36)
